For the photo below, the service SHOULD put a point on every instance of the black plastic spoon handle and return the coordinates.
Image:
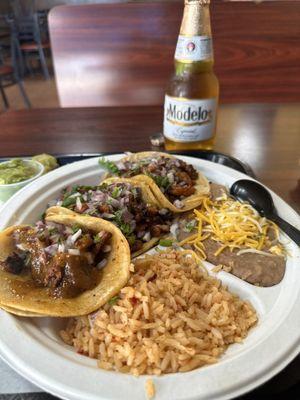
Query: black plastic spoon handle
(289, 229)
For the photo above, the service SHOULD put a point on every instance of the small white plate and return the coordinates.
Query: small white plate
(34, 349)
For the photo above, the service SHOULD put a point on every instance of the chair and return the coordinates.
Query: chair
(29, 33)
(122, 54)
(10, 73)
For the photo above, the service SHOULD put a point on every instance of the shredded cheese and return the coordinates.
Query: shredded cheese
(235, 225)
(265, 253)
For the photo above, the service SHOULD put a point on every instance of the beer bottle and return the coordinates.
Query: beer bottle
(192, 94)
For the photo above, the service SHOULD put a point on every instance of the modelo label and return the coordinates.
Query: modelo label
(189, 120)
(193, 48)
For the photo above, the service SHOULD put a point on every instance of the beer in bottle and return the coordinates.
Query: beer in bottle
(191, 99)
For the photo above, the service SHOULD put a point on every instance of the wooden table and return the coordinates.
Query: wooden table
(266, 136)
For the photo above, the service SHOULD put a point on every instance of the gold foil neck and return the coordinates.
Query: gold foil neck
(196, 18)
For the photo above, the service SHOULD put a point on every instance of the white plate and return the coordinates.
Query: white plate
(33, 348)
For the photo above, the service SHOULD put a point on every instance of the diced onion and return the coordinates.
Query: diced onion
(114, 202)
(74, 252)
(170, 177)
(108, 216)
(52, 203)
(90, 258)
(177, 203)
(20, 247)
(54, 238)
(174, 228)
(51, 224)
(140, 234)
(78, 203)
(163, 211)
(51, 249)
(76, 236)
(120, 165)
(68, 230)
(61, 248)
(40, 224)
(102, 263)
(146, 237)
(106, 248)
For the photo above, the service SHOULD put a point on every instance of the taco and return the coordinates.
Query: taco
(177, 186)
(20, 313)
(131, 206)
(68, 265)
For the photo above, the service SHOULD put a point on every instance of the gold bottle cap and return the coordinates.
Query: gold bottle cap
(202, 2)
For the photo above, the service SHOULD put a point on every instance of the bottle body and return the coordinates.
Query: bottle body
(192, 94)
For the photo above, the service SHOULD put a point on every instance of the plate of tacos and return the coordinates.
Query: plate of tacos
(140, 274)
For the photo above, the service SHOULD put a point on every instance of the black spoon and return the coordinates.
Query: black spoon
(259, 198)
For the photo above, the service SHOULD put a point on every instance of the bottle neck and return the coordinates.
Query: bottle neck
(194, 52)
(196, 67)
(196, 19)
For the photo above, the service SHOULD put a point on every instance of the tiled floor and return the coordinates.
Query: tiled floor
(42, 93)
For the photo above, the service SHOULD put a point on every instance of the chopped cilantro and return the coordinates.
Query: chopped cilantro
(109, 165)
(41, 236)
(28, 260)
(75, 228)
(68, 201)
(145, 161)
(53, 230)
(116, 192)
(113, 300)
(165, 242)
(118, 217)
(42, 216)
(67, 192)
(74, 189)
(126, 229)
(164, 182)
(131, 239)
(190, 226)
(135, 170)
(84, 188)
(161, 181)
(93, 212)
(135, 192)
(97, 238)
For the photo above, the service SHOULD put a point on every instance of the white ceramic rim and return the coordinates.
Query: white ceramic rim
(269, 354)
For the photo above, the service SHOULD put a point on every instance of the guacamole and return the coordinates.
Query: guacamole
(49, 162)
(16, 171)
